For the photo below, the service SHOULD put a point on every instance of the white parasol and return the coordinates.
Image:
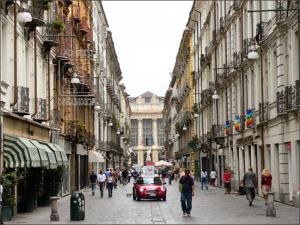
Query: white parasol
(163, 163)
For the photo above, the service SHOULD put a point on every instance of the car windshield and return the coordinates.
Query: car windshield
(149, 180)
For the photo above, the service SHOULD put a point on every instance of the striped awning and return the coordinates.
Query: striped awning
(60, 154)
(47, 155)
(63, 154)
(56, 152)
(20, 152)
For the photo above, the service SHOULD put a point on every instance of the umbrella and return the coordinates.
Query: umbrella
(163, 163)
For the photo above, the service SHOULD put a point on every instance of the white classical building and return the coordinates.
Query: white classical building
(147, 128)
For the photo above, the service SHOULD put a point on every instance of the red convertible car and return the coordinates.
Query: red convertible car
(149, 187)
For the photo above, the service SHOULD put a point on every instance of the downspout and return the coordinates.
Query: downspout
(262, 86)
(48, 74)
(216, 66)
(15, 59)
(35, 75)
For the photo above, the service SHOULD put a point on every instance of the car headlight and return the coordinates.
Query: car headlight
(142, 189)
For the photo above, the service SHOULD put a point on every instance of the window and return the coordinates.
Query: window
(147, 100)
(160, 132)
(147, 132)
(134, 132)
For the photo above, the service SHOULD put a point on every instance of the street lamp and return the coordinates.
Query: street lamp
(253, 55)
(97, 108)
(75, 79)
(196, 115)
(215, 95)
(110, 124)
(24, 17)
(177, 135)
(184, 128)
(118, 131)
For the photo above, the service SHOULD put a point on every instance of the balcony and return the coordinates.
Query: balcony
(50, 39)
(247, 43)
(42, 107)
(288, 99)
(22, 105)
(263, 114)
(56, 119)
(111, 146)
(206, 98)
(37, 11)
(237, 59)
(217, 134)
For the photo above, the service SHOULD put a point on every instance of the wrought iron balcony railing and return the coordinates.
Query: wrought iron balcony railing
(263, 112)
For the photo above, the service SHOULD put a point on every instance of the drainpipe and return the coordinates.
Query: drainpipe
(262, 86)
(35, 76)
(48, 74)
(15, 59)
(216, 66)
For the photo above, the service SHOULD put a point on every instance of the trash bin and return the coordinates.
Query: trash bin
(77, 205)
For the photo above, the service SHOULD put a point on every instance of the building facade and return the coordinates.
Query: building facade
(247, 89)
(147, 128)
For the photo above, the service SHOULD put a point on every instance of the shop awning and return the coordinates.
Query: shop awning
(63, 154)
(20, 152)
(48, 155)
(42, 153)
(57, 154)
(95, 157)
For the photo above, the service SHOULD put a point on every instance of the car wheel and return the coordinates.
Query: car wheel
(138, 198)
(164, 198)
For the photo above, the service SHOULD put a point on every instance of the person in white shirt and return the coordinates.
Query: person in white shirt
(101, 178)
(204, 179)
(213, 176)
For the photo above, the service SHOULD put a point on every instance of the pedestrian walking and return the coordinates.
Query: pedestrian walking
(110, 184)
(266, 183)
(204, 179)
(187, 192)
(93, 180)
(101, 178)
(171, 176)
(124, 176)
(250, 185)
(213, 176)
(227, 181)
(129, 175)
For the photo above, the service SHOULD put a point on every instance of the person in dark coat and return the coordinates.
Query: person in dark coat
(93, 180)
(250, 183)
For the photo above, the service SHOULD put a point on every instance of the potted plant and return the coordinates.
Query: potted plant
(193, 143)
(9, 180)
(58, 26)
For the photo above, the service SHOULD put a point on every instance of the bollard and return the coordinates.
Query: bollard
(54, 209)
(271, 211)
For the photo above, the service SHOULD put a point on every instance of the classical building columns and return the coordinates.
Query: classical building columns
(154, 132)
(140, 132)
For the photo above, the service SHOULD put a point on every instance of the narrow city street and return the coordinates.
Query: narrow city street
(209, 207)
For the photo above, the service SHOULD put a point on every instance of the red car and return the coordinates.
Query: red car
(149, 187)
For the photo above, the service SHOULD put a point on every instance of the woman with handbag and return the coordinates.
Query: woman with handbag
(266, 183)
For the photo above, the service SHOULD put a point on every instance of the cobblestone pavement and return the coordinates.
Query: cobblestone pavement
(209, 206)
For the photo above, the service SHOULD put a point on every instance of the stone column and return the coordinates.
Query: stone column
(154, 132)
(140, 132)
(253, 159)
(259, 167)
(140, 157)
(295, 149)
(275, 170)
(283, 174)
(242, 162)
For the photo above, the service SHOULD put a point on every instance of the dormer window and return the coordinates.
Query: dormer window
(147, 100)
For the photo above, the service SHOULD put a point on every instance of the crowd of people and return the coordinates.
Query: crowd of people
(247, 186)
(110, 179)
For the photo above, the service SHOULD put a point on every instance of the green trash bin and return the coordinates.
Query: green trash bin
(77, 205)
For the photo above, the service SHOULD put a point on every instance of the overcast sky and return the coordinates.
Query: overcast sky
(147, 35)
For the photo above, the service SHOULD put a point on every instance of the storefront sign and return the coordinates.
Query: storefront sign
(245, 141)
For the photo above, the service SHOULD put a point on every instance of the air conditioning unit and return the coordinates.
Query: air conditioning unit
(22, 105)
(41, 110)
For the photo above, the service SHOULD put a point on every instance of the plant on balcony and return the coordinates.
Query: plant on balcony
(58, 25)
(193, 143)
(42, 4)
(80, 132)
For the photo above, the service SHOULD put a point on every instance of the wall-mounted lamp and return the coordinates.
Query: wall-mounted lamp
(97, 108)
(24, 17)
(75, 79)
(215, 95)
(196, 115)
(184, 128)
(118, 131)
(177, 135)
(110, 124)
(253, 55)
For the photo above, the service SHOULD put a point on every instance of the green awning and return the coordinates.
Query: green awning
(20, 152)
(59, 153)
(63, 154)
(47, 156)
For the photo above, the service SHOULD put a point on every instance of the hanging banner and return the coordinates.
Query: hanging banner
(227, 126)
(249, 118)
(237, 123)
